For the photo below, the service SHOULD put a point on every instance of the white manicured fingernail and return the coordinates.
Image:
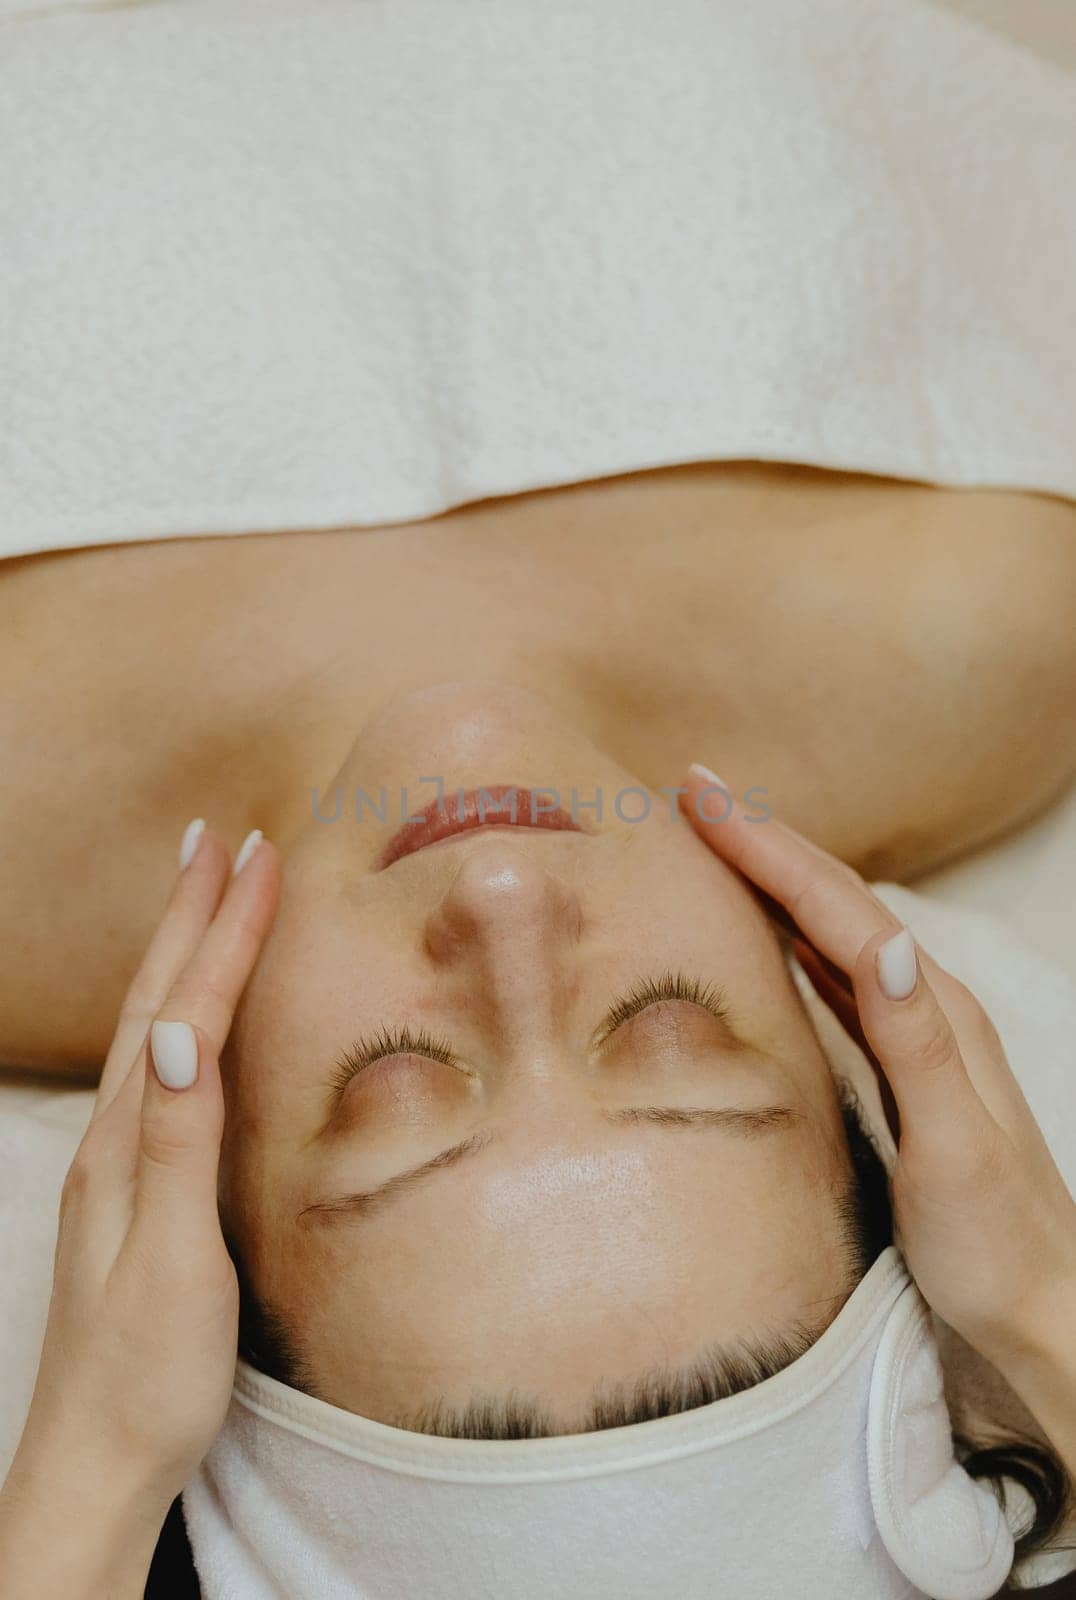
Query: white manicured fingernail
(174, 1048)
(897, 966)
(704, 772)
(189, 842)
(246, 850)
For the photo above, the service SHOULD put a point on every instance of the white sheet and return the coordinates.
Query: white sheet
(1027, 880)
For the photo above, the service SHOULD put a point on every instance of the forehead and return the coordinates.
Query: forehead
(557, 1268)
(561, 1172)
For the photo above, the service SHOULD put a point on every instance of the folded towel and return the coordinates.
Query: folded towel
(278, 265)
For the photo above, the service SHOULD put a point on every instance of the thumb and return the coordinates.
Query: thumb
(182, 1123)
(913, 1041)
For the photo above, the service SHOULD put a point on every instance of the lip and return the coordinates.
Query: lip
(454, 814)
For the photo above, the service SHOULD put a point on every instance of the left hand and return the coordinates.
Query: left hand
(139, 1350)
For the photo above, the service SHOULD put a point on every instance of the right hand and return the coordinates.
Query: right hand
(986, 1221)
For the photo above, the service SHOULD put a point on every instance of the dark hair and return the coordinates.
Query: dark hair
(1038, 1471)
(1026, 1462)
(266, 1342)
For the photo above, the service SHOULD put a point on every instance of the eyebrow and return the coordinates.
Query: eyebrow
(743, 1121)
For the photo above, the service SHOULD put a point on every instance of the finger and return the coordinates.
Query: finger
(828, 901)
(207, 990)
(182, 1119)
(825, 899)
(835, 990)
(833, 974)
(775, 911)
(195, 897)
(914, 1043)
(839, 915)
(97, 1199)
(835, 911)
(204, 995)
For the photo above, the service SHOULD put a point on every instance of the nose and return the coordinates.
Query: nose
(509, 923)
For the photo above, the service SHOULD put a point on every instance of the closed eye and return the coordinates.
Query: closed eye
(652, 991)
(389, 1042)
(401, 1041)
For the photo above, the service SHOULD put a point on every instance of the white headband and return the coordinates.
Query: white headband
(835, 1478)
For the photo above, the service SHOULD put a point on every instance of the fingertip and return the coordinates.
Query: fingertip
(189, 843)
(174, 1054)
(705, 775)
(896, 966)
(246, 850)
(182, 1110)
(709, 799)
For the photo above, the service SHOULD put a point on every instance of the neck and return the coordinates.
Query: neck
(731, 613)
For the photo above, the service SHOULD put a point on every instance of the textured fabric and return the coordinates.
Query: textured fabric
(276, 265)
(298, 1499)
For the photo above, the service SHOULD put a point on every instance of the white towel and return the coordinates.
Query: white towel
(40, 1127)
(837, 1473)
(274, 265)
(1033, 1005)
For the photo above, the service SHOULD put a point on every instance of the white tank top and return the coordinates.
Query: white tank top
(284, 264)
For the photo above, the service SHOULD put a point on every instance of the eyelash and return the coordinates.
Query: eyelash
(670, 986)
(647, 992)
(389, 1042)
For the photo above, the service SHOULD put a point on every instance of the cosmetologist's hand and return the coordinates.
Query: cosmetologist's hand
(139, 1350)
(986, 1221)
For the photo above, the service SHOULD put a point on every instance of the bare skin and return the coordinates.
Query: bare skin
(143, 1283)
(895, 664)
(892, 664)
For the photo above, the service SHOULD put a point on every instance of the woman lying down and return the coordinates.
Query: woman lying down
(489, 1119)
(501, 1143)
